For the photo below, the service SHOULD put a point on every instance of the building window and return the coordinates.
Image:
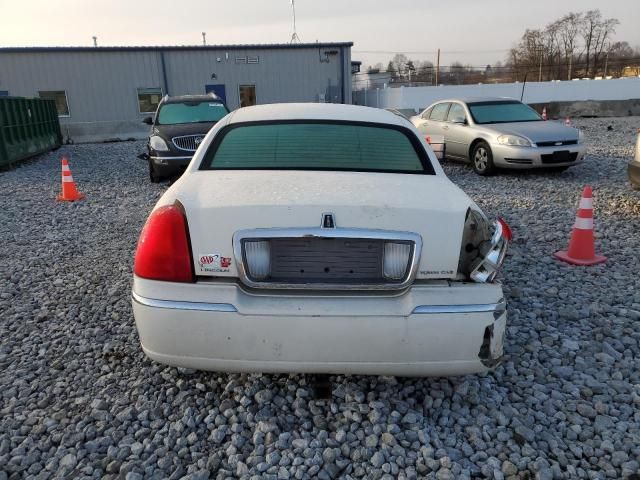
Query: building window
(248, 59)
(247, 95)
(58, 96)
(148, 99)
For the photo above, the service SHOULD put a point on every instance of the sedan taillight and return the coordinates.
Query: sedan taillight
(492, 253)
(163, 251)
(484, 247)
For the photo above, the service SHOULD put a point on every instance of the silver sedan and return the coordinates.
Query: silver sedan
(634, 165)
(500, 132)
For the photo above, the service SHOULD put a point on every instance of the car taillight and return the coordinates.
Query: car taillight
(506, 229)
(483, 253)
(163, 251)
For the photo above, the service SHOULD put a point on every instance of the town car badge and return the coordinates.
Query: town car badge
(214, 263)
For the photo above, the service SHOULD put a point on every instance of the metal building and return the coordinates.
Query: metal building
(105, 92)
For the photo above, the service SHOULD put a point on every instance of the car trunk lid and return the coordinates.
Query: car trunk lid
(220, 203)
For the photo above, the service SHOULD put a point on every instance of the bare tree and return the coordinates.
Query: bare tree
(596, 33)
(424, 71)
(377, 68)
(602, 41)
(456, 71)
(591, 19)
(529, 53)
(391, 70)
(619, 55)
(568, 29)
(400, 63)
(575, 44)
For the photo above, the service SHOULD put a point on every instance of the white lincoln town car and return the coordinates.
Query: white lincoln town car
(319, 238)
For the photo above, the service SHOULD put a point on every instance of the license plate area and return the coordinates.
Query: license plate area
(326, 260)
(561, 156)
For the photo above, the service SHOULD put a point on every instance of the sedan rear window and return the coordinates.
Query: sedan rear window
(317, 146)
(502, 112)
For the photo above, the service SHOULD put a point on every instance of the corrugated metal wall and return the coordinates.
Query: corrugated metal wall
(101, 86)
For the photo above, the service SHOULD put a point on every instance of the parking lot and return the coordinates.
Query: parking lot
(79, 398)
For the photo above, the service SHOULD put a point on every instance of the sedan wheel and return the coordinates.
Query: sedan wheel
(482, 159)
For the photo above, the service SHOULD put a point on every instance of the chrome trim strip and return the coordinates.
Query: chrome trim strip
(501, 306)
(171, 158)
(229, 308)
(314, 232)
(181, 305)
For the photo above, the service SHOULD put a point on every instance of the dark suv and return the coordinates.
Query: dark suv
(179, 125)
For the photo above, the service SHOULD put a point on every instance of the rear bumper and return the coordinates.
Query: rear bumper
(534, 157)
(443, 329)
(633, 171)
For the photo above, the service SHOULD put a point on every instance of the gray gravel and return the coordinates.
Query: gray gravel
(79, 399)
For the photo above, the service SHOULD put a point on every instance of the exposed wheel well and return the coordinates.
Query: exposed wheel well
(473, 145)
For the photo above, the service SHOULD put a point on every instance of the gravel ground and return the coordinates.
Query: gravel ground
(79, 399)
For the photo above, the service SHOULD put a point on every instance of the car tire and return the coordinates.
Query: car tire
(482, 159)
(153, 175)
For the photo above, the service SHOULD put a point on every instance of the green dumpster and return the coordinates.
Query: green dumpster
(28, 126)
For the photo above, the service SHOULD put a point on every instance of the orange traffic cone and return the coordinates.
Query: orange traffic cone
(582, 244)
(544, 113)
(567, 122)
(69, 191)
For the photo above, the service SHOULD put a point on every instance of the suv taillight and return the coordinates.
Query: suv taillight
(163, 251)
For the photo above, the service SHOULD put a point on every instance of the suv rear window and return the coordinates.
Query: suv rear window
(317, 146)
(190, 112)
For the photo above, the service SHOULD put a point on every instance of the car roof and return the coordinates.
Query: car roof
(476, 99)
(315, 111)
(209, 97)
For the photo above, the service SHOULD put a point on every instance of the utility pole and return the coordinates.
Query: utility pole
(294, 36)
(541, 50)
(95, 41)
(437, 67)
(204, 38)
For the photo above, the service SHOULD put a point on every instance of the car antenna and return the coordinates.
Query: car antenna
(524, 83)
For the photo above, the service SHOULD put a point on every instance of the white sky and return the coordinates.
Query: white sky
(474, 32)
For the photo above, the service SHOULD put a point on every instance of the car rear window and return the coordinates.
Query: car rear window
(502, 112)
(190, 112)
(317, 146)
